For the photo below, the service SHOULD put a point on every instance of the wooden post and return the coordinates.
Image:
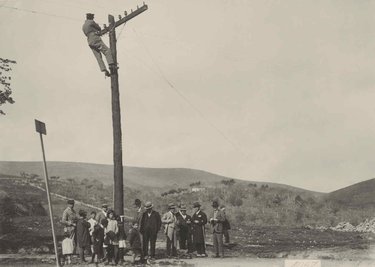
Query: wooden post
(118, 189)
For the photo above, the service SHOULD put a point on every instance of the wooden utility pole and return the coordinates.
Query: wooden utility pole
(118, 190)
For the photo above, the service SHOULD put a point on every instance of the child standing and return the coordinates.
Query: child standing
(98, 241)
(112, 234)
(83, 234)
(135, 242)
(92, 222)
(121, 238)
(67, 248)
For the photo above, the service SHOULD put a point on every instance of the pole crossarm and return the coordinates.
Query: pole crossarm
(125, 19)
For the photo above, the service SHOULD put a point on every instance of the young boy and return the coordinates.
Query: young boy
(112, 234)
(83, 234)
(135, 241)
(122, 238)
(92, 222)
(98, 240)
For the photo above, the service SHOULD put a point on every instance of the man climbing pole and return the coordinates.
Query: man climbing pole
(92, 31)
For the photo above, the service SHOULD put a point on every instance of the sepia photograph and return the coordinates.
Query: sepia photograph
(187, 133)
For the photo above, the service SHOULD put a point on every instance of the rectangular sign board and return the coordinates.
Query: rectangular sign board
(40, 127)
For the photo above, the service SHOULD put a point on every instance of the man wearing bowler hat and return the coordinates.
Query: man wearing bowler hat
(92, 31)
(199, 220)
(150, 226)
(169, 220)
(216, 221)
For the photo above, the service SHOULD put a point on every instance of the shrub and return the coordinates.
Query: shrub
(240, 217)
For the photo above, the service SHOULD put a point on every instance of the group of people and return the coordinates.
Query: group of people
(103, 234)
(182, 230)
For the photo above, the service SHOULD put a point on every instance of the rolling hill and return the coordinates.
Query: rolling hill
(359, 195)
(133, 176)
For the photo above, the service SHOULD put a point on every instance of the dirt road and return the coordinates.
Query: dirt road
(229, 262)
(332, 257)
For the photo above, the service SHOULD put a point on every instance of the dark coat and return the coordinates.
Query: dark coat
(226, 225)
(83, 233)
(182, 224)
(150, 224)
(98, 238)
(121, 231)
(99, 216)
(198, 227)
(134, 239)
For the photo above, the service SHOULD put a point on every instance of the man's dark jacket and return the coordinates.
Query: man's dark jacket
(150, 223)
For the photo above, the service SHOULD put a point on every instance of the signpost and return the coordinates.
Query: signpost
(40, 127)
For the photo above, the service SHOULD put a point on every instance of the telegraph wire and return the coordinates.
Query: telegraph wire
(41, 13)
(179, 93)
(159, 72)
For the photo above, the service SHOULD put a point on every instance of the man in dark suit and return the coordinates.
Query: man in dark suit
(217, 220)
(150, 226)
(199, 220)
(184, 229)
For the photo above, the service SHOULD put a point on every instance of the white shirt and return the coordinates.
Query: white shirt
(92, 224)
(183, 216)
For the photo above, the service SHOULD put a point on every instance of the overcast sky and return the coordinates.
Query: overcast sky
(278, 91)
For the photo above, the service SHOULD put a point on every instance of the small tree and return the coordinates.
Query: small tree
(5, 78)
(228, 182)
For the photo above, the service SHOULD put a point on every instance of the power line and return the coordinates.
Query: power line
(159, 70)
(41, 13)
(179, 93)
(118, 36)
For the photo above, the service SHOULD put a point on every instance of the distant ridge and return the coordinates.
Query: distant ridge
(359, 195)
(133, 176)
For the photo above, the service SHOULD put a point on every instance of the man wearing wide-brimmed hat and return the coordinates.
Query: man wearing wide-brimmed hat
(199, 219)
(217, 220)
(150, 226)
(184, 229)
(169, 220)
(69, 220)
